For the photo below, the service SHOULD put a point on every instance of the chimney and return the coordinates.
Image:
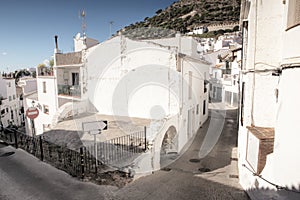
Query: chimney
(56, 44)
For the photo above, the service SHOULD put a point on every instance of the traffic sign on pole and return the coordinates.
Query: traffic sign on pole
(32, 113)
(94, 127)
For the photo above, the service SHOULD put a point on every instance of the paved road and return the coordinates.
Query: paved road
(23, 177)
(26, 178)
(184, 180)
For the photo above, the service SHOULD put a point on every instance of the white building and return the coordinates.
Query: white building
(268, 146)
(198, 30)
(224, 75)
(163, 80)
(228, 41)
(10, 103)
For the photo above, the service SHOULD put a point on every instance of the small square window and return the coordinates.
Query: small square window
(44, 87)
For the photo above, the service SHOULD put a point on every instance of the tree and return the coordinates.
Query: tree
(51, 62)
(159, 11)
(236, 28)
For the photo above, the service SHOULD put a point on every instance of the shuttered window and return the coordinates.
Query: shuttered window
(293, 14)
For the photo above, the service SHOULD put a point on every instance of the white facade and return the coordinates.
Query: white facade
(81, 43)
(10, 104)
(198, 30)
(268, 132)
(224, 76)
(40, 92)
(162, 80)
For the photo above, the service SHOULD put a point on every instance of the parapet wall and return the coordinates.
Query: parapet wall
(215, 27)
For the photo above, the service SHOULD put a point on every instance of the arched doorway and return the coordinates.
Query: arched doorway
(169, 147)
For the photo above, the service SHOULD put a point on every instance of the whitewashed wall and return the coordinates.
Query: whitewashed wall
(268, 111)
(10, 104)
(286, 147)
(45, 99)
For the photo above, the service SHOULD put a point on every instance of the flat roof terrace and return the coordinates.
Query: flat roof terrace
(70, 132)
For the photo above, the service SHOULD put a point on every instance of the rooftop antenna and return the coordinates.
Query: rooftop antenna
(83, 23)
(110, 27)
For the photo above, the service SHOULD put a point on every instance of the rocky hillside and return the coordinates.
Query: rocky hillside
(184, 15)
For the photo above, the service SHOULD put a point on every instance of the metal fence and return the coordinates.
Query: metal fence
(119, 151)
(79, 163)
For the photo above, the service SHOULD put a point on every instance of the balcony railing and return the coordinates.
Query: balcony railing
(69, 90)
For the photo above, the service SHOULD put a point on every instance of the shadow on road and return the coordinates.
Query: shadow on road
(192, 176)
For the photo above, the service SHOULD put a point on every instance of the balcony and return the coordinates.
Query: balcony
(69, 90)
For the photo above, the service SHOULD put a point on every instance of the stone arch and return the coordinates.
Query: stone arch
(169, 146)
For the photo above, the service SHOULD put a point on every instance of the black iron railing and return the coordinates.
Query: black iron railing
(120, 150)
(69, 90)
(82, 162)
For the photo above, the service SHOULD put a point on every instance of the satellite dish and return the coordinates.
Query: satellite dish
(77, 37)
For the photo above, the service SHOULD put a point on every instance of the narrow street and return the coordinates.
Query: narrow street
(194, 175)
(213, 177)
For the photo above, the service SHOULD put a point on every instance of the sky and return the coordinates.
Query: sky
(28, 27)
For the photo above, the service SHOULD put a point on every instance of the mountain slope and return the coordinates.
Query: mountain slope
(184, 15)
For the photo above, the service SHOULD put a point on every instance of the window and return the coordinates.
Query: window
(75, 78)
(2, 111)
(46, 109)
(14, 97)
(44, 87)
(9, 84)
(9, 98)
(204, 107)
(190, 84)
(293, 14)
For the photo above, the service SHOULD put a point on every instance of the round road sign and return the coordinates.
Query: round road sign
(32, 113)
